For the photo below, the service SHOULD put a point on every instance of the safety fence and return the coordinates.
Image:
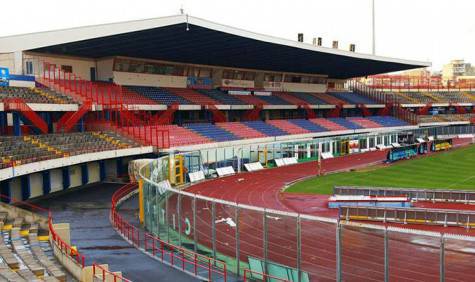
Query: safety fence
(297, 247)
(64, 247)
(417, 194)
(195, 264)
(250, 275)
(103, 274)
(442, 217)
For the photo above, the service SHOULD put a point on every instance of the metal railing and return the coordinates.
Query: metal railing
(176, 256)
(441, 217)
(322, 247)
(250, 275)
(434, 195)
(98, 271)
(64, 247)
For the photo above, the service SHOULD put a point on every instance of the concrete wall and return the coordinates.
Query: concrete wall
(7, 61)
(36, 184)
(154, 80)
(56, 180)
(75, 176)
(237, 83)
(304, 87)
(81, 66)
(104, 69)
(15, 188)
(93, 171)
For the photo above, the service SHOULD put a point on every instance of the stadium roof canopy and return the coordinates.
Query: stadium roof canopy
(203, 42)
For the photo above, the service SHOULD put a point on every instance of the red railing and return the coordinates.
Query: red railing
(73, 253)
(18, 104)
(107, 275)
(177, 256)
(387, 98)
(70, 122)
(254, 275)
(418, 83)
(115, 108)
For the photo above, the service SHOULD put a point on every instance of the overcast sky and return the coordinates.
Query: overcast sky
(427, 30)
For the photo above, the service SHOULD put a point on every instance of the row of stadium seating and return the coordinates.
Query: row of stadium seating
(110, 92)
(41, 95)
(23, 256)
(435, 97)
(184, 96)
(18, 150)
(445, 118)
(168, 96)
(199, 133)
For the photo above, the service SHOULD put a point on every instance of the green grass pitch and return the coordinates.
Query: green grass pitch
(447, 170)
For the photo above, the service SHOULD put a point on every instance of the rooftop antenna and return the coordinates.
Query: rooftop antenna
(182, 12)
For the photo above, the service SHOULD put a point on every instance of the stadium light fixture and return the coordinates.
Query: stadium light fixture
(187, 25)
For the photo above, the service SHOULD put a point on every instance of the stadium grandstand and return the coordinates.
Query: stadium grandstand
(201, 100)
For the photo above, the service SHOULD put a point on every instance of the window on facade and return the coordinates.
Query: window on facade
(371, 142)
(29, 67)
(238, 75)
(363, 143)
(66, 68)
(326, 147)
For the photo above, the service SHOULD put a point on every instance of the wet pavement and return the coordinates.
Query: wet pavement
(87, 211)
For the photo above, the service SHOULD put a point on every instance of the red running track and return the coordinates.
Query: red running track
(412, 257)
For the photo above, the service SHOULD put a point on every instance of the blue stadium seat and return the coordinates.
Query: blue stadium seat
(388, 121)
(309, 98)
(308, 125)
(353, 98)
(221, 96)
(274, 100)
(160, 95)
(265, 128)
(212, 131)
(346, 123)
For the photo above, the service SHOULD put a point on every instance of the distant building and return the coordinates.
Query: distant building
(456, 69)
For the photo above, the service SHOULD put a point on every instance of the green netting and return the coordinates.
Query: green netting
(278, 271)
(256, 265)
(293, 275)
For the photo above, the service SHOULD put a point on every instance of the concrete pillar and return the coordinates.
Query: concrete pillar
(46, 182)
(25, 187)
(5, 189)
(84, 174)
(16, 124)
(217, 75)
(102, 170)
(66, 178)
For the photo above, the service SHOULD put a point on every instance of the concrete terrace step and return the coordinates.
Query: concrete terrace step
(25, 253)
(52, 266)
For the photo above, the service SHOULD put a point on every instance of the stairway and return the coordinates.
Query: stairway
(36, 142)
(49, 96)
(72, 118)
(19, 105)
